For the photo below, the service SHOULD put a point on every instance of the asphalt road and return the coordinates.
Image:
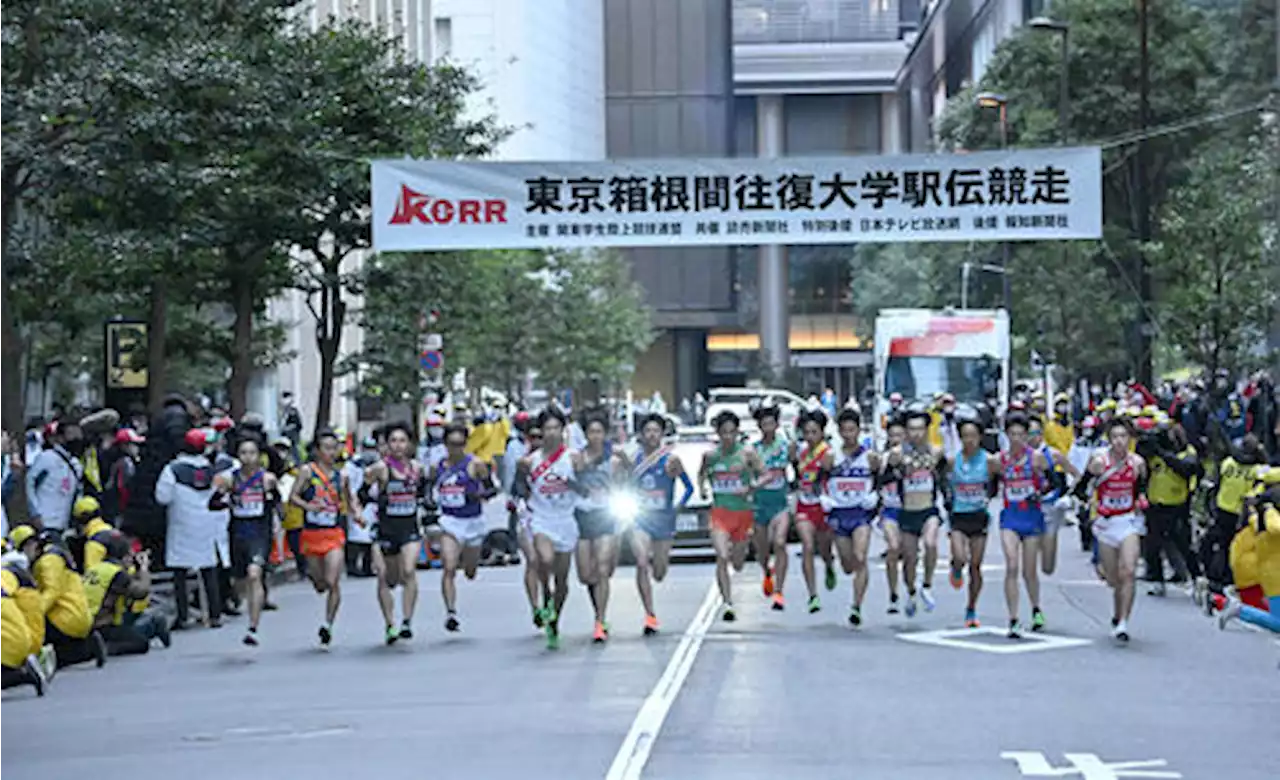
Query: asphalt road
(776, 696)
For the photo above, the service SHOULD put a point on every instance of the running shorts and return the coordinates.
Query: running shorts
(248, 550)
(468, 531)
(396, 532)
(561, 530)
(1023, 522)
(913, 521)
(768, 505)
(594, 523)
(737, 523)
(971, 523)
(319, 542)
(889, 515)
(1112, 531)
(658, 526)
(1054, 518)
(813, 514)
(845, 520)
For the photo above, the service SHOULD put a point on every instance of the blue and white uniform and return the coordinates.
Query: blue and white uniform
(1021, 487)
(657, 493)
(969, 478)
(458, 496)
(851, 492)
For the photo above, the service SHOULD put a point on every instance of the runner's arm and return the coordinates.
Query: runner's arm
(299, 484)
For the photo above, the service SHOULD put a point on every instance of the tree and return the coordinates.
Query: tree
(361, 98)
(888, 276)
(1219, 290)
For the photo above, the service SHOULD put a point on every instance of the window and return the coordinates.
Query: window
(970, 379)
(444, 37)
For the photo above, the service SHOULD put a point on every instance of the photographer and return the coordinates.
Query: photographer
(1174, 464)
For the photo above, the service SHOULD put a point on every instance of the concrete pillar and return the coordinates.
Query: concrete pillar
(890, 124)
(774, 316)
(690, 347)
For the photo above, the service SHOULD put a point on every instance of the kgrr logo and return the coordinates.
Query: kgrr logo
(420, 207)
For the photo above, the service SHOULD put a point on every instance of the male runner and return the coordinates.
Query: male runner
(552, 498)
(461, 485)
(772, 515)
(1057, 501)
(922, 472)
(249, 491)
(1021, 471)
(401, 482)
(519, 489)
(812, 463)
(851, 501)
(970, 479)
(890, 485)
(1120, 488)
(655, 473)
(730, 468)
(327, 502)
(599, 468)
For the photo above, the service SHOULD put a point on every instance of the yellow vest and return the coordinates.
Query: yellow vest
(94, 551)
(1235, 480)
(1166, 488)
(1058, 436)
(97, 584)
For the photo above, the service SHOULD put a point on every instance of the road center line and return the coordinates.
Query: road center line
(630, 761)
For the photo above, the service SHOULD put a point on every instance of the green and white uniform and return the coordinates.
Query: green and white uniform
(771, 497)
(729, 476)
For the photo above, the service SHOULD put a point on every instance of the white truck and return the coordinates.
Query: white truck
(921, 353)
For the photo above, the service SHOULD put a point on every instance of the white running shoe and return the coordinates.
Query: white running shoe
(1230, 612)
(1120, 631)
(926, 595)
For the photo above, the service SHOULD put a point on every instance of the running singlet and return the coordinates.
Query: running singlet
(402, 489)
(249, 504)
(774, 457)
(596, 477)
(657, 488)
(1117, 488)
(326, 489)
(728, 479)
(851, 484)
(969, 481)
(551, 493)
(891, 498)
(809, 473)
(918, 484)
(456, 489)
(1020, 483)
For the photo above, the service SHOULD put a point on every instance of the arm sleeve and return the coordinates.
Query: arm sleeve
(48, 575)
(165, 486)
(36, 475)
(688, 488)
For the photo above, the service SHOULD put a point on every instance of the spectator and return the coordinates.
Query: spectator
(359, 548)
(195, 535)
(68, 624)
(110, 586)
(123, 465)
(290, 422)
(53, 480)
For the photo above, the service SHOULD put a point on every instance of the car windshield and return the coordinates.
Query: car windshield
(967, 378)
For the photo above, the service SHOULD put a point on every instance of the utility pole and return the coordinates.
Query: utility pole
(1144, 199)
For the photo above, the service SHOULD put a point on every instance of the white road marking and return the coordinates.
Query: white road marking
(1087, 766)
(961, 638)
(629, 763)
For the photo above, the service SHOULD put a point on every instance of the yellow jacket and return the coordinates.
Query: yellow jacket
(1267, 542)
(62, 594)
(95, 550)
(935, 429)
(1244, 558)
(1058, 435)
(23, 594)
(15, 637)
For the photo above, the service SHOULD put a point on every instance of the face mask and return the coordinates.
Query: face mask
(76, 446)
(1061, 410)
(435, 432)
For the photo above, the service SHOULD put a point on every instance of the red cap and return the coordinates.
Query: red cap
(221, 424)
(521, 418)
(50, 429)
(1145, 423)
(196, 439)
(129, 436)
(1089, 422)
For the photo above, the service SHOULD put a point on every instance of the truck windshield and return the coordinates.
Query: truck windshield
(922, 377)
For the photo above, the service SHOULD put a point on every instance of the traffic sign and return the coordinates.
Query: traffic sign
(432, 342)
(431, 360)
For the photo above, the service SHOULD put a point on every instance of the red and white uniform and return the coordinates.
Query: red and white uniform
(809, 508)
(1117, 501)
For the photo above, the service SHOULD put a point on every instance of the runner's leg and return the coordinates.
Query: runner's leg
(1030, 574)
(605, 552)
(779, 526)
(910, 549)
(808, 542)
(641, 548)
(386, 599)
(892, 560)
(1012, 545)
(409, 585)
(977, 549)
(1127, 561)
(586, 563)
(720, 542)
(333, 578)
(1049, 540)
(929, 535)
(546, 560)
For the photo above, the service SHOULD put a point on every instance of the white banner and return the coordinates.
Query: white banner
(1013, 195)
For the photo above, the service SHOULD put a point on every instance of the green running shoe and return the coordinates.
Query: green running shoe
(831, 578)
(814, 604)
(1037, 620)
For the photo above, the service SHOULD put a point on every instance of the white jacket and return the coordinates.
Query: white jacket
(53, 482)
(196, 536)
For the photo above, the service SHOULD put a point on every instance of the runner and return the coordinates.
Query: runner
(1057, 501)
(599, 467)
(890, 484)
(813, 461)
(524, 534)
(326, 498)
(1120, 489)
(655, 472)
(921, 468)
(401, 483)
(249, 491)
(461, 486)
(851, 503)
(1021, 471)
(729, 468)
(552, 498)
(772, 515)
(969, 519)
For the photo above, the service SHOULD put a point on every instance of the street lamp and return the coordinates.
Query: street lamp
(1063, 29)
(999, 101)
(965, 269)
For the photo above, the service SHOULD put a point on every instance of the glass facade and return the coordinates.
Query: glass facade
(815, 21)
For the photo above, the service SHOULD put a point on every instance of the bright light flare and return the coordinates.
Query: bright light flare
(624, 506)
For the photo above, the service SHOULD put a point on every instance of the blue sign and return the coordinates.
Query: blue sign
(431, 360)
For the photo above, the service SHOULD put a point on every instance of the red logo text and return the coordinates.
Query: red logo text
(417, 206)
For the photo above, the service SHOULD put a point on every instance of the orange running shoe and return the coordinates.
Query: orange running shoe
(767, 585)
(779, 603)
(957, 578)
(601, 633)
(650, 625)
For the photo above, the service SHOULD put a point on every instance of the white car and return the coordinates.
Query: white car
(741, 401)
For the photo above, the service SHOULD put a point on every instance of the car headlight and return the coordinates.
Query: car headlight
(624, 506)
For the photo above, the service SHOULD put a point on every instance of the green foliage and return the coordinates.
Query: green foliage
(912, 276)
(571, 317)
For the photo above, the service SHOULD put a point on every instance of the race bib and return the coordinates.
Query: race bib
(844, 485)
(777, 480)
(453, 497)
(919, 482)
(1019, 490)
(726, 484)
(327, 519)
(654, 500)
